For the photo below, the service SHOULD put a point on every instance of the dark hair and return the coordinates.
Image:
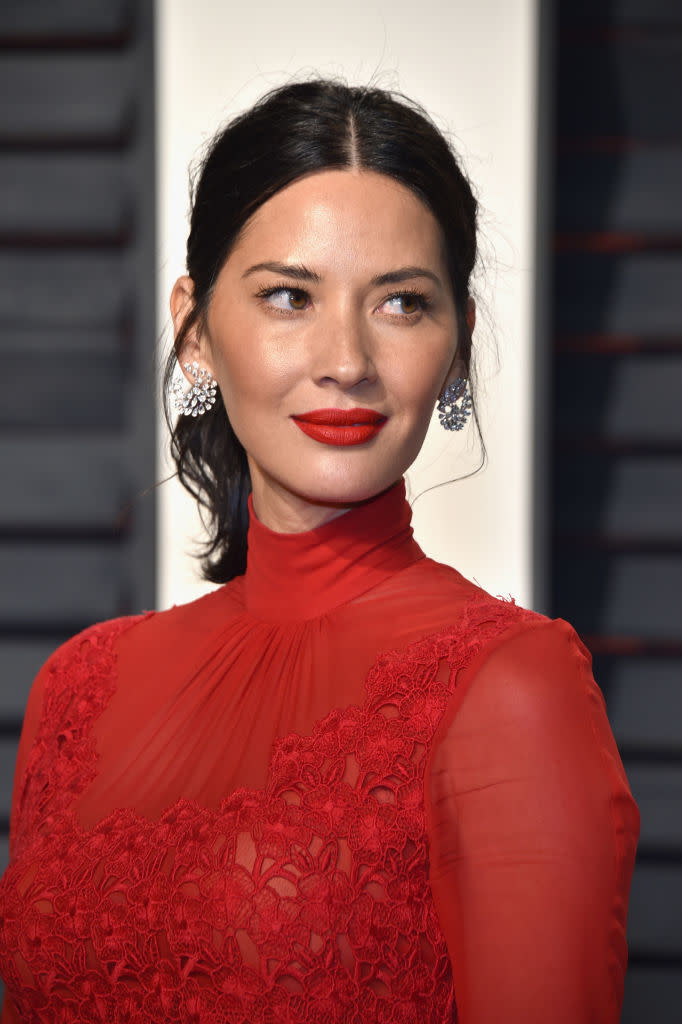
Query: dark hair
(292, 131)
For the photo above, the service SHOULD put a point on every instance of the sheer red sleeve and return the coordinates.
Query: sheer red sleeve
(532, 833)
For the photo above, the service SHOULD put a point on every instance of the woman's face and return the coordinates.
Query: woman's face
(331, 332)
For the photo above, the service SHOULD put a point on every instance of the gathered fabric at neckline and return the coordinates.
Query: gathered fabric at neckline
(295, 576)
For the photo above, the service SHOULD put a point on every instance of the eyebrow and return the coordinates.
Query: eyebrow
(405, 274)
(294, 270)
(299, 272)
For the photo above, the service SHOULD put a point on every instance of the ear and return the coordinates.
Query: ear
(194, 345)
(471, 314)
(457, 368)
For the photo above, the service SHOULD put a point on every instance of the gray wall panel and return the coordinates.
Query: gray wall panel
(55, 196)
(636, 191)
(622, 593)
(652, 994)
(38, 340)
(70, 393)
(621, 13)
(65, 584)
(629, 397)
(629, 294)
(64, 483)
(95, 21)
(613, 496)
(63, 289)
(8, 757)
(657, 788)
(655, 923)
(69, 98)
(644, 698)
(621, 86)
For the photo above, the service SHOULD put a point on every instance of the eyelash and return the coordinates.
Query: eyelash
(266, 293)
(422, 299)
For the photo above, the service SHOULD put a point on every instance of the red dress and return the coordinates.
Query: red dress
(349, 786)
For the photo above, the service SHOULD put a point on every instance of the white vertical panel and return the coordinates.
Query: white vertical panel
(473, 67)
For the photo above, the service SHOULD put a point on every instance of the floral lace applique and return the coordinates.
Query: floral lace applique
(305, 902)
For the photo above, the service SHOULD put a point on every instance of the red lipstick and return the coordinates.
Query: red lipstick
(340, 426)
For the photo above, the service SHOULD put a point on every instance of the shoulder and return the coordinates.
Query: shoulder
(514, 653)
(173, 628)
(530, 678)
(533, 650)
(83, 663)
(483, 619)
(429, 598)
(531, 693)
(86, 648)
(69, 691)
(88, 658)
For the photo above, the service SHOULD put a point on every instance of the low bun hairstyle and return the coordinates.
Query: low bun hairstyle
(292, 131)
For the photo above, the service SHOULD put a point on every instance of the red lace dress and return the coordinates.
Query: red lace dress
(348, 786)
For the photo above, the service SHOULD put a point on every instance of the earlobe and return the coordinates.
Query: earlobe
(458, 369)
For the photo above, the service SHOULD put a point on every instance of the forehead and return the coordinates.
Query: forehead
(345, 219)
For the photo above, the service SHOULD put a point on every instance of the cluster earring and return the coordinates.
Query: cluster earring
(454, 405)
(200, 396)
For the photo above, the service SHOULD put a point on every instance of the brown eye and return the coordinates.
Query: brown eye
(405, 304)
(285, 299)
(409, 303)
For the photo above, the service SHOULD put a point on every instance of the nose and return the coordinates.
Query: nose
(343, 351)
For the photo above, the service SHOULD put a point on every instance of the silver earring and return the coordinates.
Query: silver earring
(453, 416)
(200, 396)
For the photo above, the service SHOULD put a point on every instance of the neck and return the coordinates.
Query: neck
(303, 574)
(284, 511)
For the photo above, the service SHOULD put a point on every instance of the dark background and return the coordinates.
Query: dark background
(77, 332)
(609, 416)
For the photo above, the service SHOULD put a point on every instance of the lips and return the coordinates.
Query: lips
(340, 426)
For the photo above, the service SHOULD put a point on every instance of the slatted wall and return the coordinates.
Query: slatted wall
(616, 493)
(77, 323)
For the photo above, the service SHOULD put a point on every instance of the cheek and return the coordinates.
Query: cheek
(418, 381)
(251, 374)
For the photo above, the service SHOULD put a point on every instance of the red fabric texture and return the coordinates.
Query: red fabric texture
(347, 787)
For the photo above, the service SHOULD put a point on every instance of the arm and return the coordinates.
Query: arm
(532, 833)
(52, 722)
(66, 691)
(8, 1014)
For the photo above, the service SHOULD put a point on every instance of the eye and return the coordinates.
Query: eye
(287, 299)
(405, 304)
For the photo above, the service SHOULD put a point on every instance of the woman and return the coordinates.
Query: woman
(347, 786)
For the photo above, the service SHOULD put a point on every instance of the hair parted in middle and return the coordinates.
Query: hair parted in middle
(296, 130)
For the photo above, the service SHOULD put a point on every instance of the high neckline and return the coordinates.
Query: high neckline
(295, 576)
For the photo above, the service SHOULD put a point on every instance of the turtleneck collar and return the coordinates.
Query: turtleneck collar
(294, 576)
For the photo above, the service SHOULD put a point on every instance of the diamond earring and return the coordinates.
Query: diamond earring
(453, 416)
(200, 396)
